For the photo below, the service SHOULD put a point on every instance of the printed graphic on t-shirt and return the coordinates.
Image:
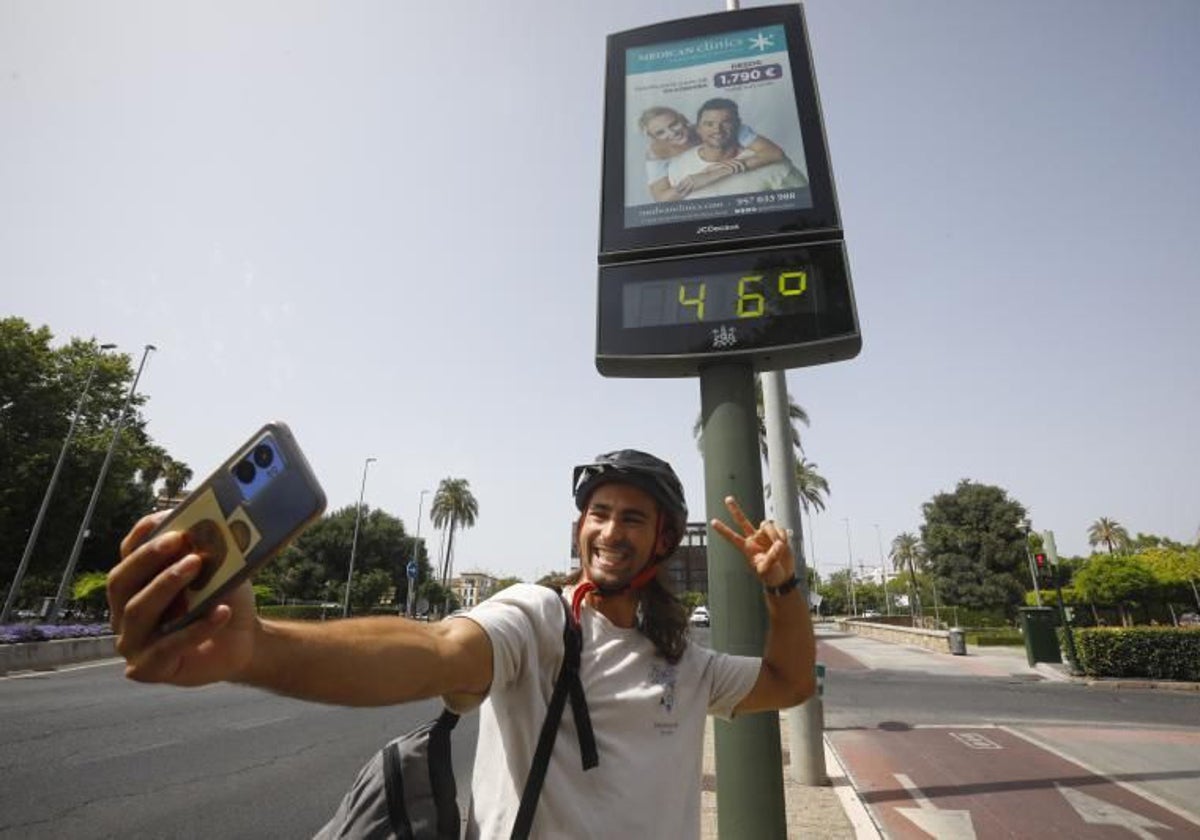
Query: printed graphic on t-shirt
(664, 675)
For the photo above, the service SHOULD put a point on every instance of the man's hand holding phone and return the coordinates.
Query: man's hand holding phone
(142, 588)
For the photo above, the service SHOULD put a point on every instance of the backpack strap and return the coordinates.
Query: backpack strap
(441, 780)
(567, 685)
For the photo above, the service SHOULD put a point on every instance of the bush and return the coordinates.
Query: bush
(17, 633)
(996, 638)
(301, 612)
(1157, 653)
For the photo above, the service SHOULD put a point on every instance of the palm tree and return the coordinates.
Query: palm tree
(811, 486)
(453, 507)
(1109, 532)
(176, 475)
(906, 548)
(796, 414)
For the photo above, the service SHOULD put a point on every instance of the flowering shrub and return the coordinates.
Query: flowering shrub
(16, 633)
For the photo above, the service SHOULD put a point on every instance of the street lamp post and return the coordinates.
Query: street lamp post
(412, 583)
(1037, 592)
(883, 569)
(41, 515)
(850, 568)
(354, 541)
(69, 572)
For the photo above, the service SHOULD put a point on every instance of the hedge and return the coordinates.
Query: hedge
(996, 638)
(1157, 653)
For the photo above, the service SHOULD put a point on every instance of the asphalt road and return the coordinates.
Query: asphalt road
(85, 753)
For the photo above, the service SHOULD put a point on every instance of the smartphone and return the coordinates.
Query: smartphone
(243, 515)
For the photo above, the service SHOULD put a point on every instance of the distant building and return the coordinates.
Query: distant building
(472, 587)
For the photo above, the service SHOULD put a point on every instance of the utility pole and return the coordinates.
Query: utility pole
(354, 541)
(69, 572)
(883, 570)
(850, 568)
(1037, 592)
(806, 722)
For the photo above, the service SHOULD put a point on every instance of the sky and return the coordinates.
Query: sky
(378, 222)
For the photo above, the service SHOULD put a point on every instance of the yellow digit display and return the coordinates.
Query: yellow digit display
(750, 304)
(697, 301)
(793, 283)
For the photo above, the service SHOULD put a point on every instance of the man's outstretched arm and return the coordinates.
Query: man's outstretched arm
(370, 661)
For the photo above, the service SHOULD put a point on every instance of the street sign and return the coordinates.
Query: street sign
(411, 568)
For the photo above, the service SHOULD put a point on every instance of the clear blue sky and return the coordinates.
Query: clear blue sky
(378, 222)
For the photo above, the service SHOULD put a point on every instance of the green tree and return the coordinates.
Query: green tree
(1109, 532)
(1115, 580)
(314, 567)
(453, 507)
(40, 388)
(974, 546)
(89, 590)
(1177, 573)
(811, 486)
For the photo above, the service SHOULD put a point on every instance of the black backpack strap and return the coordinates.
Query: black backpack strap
(567, 684)
(441, 781)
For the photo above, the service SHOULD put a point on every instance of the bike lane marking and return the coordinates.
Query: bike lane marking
(988, 782)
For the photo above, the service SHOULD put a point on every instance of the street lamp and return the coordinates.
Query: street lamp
(69, 572)
(354, 541)
(41, 515)
(850, 568)
(1037, 593)
(882, 568)
(412, 583)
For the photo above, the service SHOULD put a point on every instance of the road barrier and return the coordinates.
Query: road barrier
(40, 656)
(935, 640)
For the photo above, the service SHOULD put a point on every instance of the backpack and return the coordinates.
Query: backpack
(407, 789)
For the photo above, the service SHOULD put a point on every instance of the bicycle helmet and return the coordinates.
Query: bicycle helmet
(642, 470)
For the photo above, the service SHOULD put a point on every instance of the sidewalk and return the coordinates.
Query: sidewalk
(821, 813)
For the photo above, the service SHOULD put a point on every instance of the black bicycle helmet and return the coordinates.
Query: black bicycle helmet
(642, 470)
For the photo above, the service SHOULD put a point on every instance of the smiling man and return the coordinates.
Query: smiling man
(648, 690)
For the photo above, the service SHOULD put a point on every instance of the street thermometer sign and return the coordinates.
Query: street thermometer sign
(720, 236)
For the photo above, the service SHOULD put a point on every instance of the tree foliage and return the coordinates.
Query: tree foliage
(1109, 533)
(1116, 580)
(40, 389)
(974, 546)
(315, 566)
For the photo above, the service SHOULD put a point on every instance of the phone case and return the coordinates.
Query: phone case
(242, 516)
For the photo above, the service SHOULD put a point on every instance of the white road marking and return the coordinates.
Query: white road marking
(942, 824)
(1098, 812)
(122, 752)
(243, 725)
(975, 741)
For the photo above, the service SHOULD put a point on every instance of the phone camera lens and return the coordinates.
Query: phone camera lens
(263, 455)
(244, 472)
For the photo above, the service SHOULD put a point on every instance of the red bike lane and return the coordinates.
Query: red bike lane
(989, 782)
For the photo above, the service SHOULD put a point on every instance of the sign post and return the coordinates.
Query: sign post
(721, 256)
(411, 569)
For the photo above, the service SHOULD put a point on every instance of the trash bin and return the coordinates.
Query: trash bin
(958, 641)
(1039, 626)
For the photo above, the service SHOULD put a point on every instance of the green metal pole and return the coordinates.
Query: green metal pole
(748, 751)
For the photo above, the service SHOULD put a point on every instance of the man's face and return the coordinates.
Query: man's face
(717, 128)
(617, 534)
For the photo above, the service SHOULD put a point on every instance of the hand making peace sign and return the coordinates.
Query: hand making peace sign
(766, 548)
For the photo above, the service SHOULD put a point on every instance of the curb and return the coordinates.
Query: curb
(843, 786)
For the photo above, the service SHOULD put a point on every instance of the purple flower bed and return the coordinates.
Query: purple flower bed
(16, 633)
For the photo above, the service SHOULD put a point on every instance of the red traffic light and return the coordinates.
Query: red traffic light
(1040, 559)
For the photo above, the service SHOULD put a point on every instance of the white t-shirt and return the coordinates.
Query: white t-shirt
(648, 717)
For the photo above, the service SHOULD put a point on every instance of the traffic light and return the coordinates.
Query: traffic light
(1040, 559)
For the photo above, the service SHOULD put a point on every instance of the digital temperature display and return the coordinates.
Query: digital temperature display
(777, 308)
(717, 297)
